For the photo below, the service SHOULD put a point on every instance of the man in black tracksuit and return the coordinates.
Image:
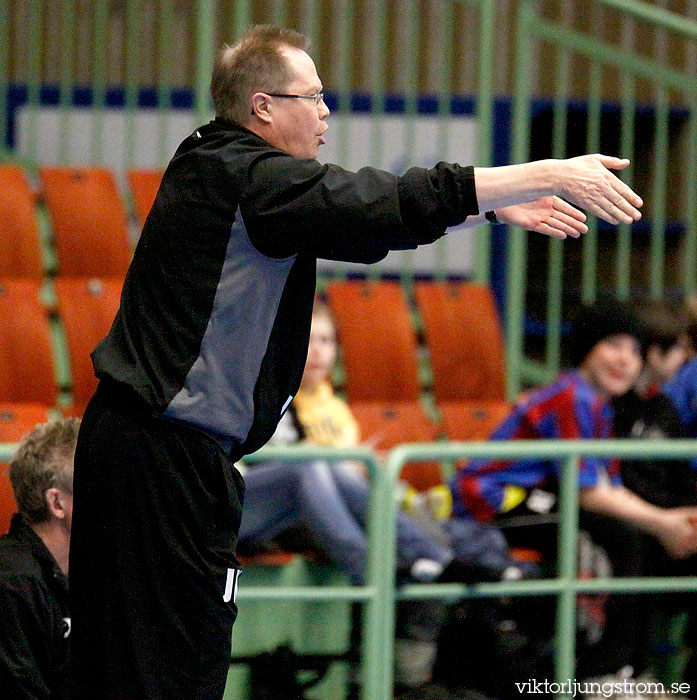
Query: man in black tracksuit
(208, 347)
(34, 612)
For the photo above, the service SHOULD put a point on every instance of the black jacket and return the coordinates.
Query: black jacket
(215, 313)
(665, 483)
(34, 619)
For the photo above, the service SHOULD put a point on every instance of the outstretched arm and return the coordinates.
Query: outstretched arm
(548, 215)
(584, 181)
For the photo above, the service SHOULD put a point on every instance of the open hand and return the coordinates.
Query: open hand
(587, 182)
(548, 215)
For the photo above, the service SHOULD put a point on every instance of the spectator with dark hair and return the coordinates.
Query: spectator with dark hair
(607, 360)
(35, 627)
(645, 412)
(682, 388)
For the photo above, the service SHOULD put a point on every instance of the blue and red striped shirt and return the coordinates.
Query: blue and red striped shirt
(568, 409)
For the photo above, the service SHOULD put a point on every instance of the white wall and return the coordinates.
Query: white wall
(352, 142)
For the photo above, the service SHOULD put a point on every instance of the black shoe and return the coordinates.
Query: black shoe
(465, 571)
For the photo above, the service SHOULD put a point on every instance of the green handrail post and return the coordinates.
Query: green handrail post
(627, 123)
(133, 11)
(485, 126)
(243, 18)
(164, 86)
(34, 78)
(516, 252)
(205, 33)
(4, 75)
(589, 272)
(566, 603)
(690, 252)
(377, 593)
(101, 19)
(378, 63)
(555, 248)
(653, 14)
(411, 17)
(660, 175)
(444, 94)
(66, 78)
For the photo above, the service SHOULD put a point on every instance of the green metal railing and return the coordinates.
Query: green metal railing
(566, 586)
(379, 594)
(376, 594)
(213, 22)
(533, 28)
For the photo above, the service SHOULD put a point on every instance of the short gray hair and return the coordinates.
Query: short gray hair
(254, 64)
(44, 460)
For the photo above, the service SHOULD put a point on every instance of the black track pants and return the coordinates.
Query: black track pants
(153, 573)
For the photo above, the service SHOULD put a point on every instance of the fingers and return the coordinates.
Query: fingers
(612, 163)
(561, 226)
(548, 230)
(565, 208)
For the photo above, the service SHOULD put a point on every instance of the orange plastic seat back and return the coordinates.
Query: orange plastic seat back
(89, 221)
(15, 421)
(463, 335)
(144, 185)
(87, 308)
(384, 425)
(26, 355)
(377, 340)
(472, 420)
(20, 251)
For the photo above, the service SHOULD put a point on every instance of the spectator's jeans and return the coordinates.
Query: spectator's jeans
(332, 501)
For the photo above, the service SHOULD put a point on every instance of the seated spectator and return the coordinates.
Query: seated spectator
(330, 500)
(607, 363)
(35, 629)
(682, 388)
(645, 412)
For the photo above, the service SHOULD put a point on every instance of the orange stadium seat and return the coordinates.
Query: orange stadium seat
(463, 334)
(472, 420)
(26, 356)
(385, 424)
(89, 221)
(144, 184)
(16, 419)
(87, 307)
(20, 249)
(377, 340)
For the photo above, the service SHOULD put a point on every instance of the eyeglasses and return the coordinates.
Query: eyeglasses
(316, 98)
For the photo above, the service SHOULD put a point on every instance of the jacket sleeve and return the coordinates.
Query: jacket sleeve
(24, 644)
(293, 206)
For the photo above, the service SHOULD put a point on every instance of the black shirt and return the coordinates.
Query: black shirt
(34, 619)
(665, 483)
(215, 313)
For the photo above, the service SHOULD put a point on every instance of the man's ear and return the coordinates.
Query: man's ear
(261, 107)
(54, 501)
